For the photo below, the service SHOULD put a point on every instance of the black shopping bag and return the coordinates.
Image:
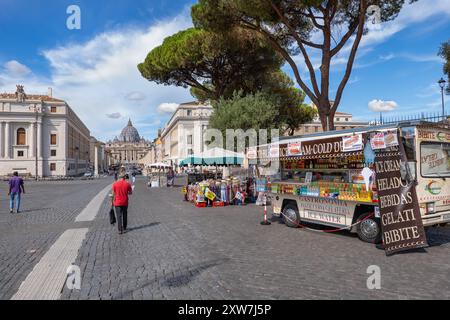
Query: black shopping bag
(112, 216)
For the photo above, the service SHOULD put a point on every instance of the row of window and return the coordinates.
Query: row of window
(20, 153)
(21, 137)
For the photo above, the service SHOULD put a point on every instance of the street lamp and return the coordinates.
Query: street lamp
(441, 83)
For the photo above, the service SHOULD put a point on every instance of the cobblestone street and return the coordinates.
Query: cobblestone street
(176, 251)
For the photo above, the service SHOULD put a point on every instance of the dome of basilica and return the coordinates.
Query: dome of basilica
(129, 133)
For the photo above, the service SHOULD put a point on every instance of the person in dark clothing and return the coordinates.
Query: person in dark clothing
(16, 188)
(170, 177)
(121, 190)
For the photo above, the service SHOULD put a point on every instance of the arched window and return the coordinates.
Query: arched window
(21, 137)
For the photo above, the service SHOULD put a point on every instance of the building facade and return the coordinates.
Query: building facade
(342, 121)
(129, 147)
(183, 134)
(99, 159)
(41, 135)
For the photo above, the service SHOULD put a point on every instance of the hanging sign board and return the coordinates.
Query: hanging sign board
(377, 141)
(390, 139)
(401, 222)
(252, 153)
(352, 143)
(294, 149)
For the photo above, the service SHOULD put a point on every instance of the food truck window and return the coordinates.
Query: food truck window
(435, 159)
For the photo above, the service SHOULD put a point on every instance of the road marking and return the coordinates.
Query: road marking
(93, 207)
(48, 277)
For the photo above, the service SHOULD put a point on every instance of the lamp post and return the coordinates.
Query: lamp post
(441, 83)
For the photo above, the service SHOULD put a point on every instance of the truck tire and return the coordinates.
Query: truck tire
(369, 230)
(291, 216)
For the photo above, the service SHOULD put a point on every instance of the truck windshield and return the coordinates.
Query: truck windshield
(435, 159)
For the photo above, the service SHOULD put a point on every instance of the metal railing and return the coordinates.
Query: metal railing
(428, 117)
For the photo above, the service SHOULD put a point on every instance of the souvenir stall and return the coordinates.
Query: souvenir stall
(156, 174)
(215, 190)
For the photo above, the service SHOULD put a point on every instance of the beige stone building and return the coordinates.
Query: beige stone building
(129, 147)
(342, 121)
(41, 135)
(183, 134)
(99, 157)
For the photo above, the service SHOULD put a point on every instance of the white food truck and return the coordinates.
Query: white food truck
(322, 179)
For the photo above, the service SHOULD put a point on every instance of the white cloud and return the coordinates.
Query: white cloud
(15, 69)
(167, 107)
(115, 115)
(100, 76)
(135, 96)
(382, 106)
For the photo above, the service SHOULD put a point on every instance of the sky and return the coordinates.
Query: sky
(94, 68)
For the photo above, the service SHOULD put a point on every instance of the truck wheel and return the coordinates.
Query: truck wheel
(369, 230)
(290, 215)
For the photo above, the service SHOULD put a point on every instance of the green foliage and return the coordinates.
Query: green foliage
(262, 110)
(444, 52)
(213, 65)
(252, 111)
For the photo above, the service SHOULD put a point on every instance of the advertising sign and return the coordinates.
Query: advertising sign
(377, 141)
(252, 153)
(352, 143)
(294, 149)
(401, 222)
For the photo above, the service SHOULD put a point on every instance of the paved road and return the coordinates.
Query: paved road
(48, 209)
(175, 251)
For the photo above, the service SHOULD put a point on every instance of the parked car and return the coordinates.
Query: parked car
(88, 174)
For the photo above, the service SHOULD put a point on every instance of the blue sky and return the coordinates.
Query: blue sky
(94, 68)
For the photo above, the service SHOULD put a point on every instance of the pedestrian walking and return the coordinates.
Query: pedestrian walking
(115, 175)
(170, 177)
(133, 177)
(16, 188)
(120, 192)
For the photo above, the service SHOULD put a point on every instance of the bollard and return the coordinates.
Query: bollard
(265, 222)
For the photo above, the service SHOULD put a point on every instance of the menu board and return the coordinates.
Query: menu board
(401, 222)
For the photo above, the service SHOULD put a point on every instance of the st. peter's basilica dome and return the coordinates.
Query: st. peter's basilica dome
(129, 133)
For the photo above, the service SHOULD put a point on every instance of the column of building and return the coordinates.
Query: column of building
(2, 138)
(7, 151)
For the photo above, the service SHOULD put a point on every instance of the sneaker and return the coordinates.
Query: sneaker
(11, 211)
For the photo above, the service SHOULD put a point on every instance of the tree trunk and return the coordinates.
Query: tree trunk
(326, 115)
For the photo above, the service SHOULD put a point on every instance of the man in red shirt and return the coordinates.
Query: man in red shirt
(121, 189)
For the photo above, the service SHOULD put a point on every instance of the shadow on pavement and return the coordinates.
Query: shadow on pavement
(179, 280)
(144, 226)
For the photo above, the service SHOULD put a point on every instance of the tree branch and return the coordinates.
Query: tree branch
(309, 65)
(313, 19)
(352, 56)
(351, 29)
(290, 61)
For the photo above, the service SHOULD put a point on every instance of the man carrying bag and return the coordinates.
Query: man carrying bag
(121, 189)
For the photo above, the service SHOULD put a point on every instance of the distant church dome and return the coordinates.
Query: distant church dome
(129, 133)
